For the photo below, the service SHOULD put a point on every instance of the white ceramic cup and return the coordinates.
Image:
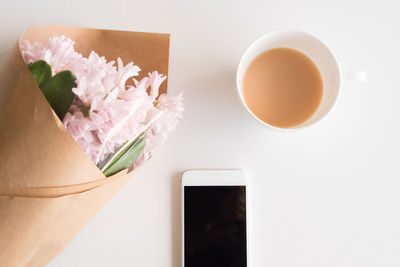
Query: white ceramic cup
(318, 52)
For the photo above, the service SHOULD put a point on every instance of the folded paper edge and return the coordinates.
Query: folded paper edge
(60, 191)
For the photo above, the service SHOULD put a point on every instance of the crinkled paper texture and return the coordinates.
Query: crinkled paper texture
(49, 188)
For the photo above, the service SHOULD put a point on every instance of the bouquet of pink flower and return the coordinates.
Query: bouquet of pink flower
(73, 127)
(99, 110)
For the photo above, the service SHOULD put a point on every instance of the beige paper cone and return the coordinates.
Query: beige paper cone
(49, 188)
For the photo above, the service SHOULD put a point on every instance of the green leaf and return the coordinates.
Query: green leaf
(56, 89)
(58, 92)
(41, 71)
(126, 157)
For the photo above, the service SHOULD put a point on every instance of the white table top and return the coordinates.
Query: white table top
(324, 196)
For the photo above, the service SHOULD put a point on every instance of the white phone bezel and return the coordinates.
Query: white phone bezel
(213, 178)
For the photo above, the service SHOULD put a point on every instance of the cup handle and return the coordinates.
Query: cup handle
(354, 76)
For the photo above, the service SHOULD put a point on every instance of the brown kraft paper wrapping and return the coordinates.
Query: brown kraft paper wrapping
(49, 188)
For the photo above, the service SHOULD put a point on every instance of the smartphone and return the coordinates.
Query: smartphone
(214, 218)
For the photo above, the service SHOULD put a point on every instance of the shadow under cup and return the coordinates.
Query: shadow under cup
(318, 52)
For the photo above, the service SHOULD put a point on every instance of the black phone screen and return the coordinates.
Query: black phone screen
(215, 226)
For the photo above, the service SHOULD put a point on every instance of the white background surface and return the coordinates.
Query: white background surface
(324, 196)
